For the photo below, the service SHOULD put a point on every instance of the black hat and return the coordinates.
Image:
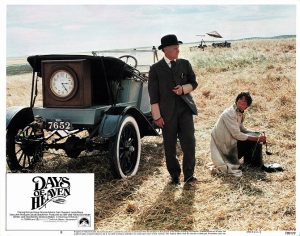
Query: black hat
(168, 40)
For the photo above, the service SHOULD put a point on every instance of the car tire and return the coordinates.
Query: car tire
(126, 148)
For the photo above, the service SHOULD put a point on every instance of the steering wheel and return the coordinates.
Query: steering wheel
(130, 60)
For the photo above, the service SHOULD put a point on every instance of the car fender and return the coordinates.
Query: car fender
(109, 125)
(14, 114)
(112, 119)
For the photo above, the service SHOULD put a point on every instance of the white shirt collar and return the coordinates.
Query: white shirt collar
(168, 61)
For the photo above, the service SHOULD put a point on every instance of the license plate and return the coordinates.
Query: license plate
(59, 125)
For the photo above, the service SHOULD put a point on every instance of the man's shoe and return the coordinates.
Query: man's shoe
(175, 181)
(191, 179)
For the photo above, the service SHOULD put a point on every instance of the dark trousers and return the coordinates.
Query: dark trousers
(251, 151)
(180, 125)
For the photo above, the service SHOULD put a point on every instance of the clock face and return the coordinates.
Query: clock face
(62, 83)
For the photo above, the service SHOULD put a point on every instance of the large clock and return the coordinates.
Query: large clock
(66, 83)
(63, 83)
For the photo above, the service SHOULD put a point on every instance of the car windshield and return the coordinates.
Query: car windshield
(141, 59)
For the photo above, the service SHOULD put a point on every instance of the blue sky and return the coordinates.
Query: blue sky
(40, 29)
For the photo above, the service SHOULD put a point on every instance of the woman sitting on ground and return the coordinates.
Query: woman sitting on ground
(230, 140)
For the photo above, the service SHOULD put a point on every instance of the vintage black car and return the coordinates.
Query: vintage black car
(222, 45)
(90, 103)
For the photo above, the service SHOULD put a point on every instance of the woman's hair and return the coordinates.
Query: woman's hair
(247, 97)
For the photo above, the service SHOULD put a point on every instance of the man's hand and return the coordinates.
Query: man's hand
(178, 90)
(159, 122)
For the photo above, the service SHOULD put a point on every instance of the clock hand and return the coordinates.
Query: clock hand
(64, 86)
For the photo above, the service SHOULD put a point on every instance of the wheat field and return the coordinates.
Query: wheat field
(257, 201)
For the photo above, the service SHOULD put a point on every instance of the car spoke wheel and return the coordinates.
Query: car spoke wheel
(126, 148)
(23, 149)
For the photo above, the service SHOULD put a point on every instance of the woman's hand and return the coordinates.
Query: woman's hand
(262, 139)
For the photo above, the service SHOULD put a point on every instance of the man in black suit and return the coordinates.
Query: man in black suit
(170, 82)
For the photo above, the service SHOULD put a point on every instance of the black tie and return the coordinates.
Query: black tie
(173, 64)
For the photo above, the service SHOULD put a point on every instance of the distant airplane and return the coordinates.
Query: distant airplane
(214, 34)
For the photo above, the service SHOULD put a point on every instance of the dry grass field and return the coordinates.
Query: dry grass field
(257, 201)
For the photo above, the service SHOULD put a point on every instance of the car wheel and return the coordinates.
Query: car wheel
(126, 148)
(23, 149)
